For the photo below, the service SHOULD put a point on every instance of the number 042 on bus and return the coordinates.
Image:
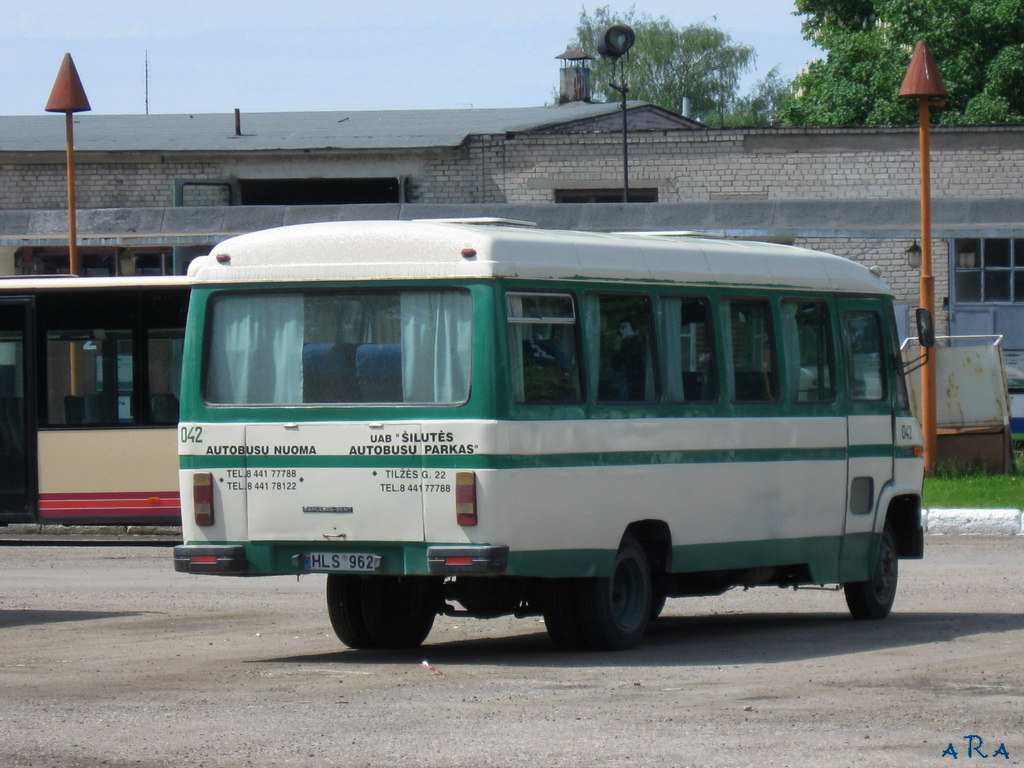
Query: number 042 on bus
(484, 418)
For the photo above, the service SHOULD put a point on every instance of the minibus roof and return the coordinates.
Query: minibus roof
(447, 249)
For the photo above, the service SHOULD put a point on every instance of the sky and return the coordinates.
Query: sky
(312, 55)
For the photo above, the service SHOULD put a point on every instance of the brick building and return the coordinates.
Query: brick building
(154, 190)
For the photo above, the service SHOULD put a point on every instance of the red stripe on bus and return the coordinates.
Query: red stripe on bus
(112, 504)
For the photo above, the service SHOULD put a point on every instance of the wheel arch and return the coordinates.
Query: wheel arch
(656, 539)
(904, 515)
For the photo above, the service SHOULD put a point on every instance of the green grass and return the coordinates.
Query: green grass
(959, 487)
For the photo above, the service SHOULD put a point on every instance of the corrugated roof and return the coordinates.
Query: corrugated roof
(394, 129)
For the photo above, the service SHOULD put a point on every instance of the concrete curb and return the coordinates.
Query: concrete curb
(973, 521)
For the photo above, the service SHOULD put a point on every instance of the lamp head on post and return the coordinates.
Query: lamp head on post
(614, 44)
(616, 41)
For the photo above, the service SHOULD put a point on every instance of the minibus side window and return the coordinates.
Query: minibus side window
(750, 343)
(620, 342)
(689, 349)
(810, 363)
(864, 340)
(543, 356)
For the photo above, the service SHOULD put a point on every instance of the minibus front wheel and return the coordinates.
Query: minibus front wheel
(873, 599)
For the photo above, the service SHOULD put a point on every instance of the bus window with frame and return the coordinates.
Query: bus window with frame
(751, 358)
(810, 361)
(620, 342)
(865, 346)
(89, 376)
(543, 355)
(163, 356)
(347, 347)
(689, 358)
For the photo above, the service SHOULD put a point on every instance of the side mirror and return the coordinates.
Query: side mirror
(925, 328)
(925, 337)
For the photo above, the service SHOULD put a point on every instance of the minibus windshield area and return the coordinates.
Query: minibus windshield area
(339, 347)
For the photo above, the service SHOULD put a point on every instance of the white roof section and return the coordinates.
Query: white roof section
(42, 283)
(404, 250)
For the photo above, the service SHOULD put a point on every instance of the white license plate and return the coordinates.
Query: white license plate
(341, 561)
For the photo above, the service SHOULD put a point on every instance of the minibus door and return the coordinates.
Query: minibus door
(18, 461)
(338, 482)
(865, 341)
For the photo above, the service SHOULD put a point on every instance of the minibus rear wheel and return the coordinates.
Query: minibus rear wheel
(399, 611)
(345, 610)
(614, 612)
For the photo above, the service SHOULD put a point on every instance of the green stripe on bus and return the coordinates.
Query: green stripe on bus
(821, 553)
(530, 461)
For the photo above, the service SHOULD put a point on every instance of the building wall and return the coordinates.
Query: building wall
(684, 166)
(977, 165)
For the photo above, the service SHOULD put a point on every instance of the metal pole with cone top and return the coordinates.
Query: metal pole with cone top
(68, 96)
(924, 83)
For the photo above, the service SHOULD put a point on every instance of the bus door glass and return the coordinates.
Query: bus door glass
(865, 339)
(17, 413)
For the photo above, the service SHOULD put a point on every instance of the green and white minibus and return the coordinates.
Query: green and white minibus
(485, 419)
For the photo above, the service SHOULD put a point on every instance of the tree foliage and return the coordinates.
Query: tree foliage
(978, 47)
(667, 63)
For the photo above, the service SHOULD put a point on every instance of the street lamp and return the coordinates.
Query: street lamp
(924, 83)
(614, 44)
(68, 96)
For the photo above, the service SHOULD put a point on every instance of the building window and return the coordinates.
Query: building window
(605, 195)
(989, 270)
(320, 191)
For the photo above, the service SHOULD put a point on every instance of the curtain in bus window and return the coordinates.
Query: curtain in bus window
(809, 361)
(256, 350)
(688, 362)
(752, 365)
(436, 346)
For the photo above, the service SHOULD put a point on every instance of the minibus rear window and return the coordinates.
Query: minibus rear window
(339, 347)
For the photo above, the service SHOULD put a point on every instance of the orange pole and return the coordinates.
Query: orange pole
(927, 291)
(72, 229)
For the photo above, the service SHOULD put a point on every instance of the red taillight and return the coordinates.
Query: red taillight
(202, 498)
(203, 559)
(465, 498)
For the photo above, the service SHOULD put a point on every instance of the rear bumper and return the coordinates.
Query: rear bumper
(211, 559)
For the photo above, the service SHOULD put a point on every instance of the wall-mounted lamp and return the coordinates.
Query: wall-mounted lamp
(913, 254)
(966, 257)
(126, 262)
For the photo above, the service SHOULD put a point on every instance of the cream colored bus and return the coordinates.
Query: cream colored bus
(491, 419)
(89, 375)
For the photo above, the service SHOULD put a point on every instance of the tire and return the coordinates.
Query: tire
(614, 612)
(873, 599)
(399, 612)
(345, 610)
(561, 617)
